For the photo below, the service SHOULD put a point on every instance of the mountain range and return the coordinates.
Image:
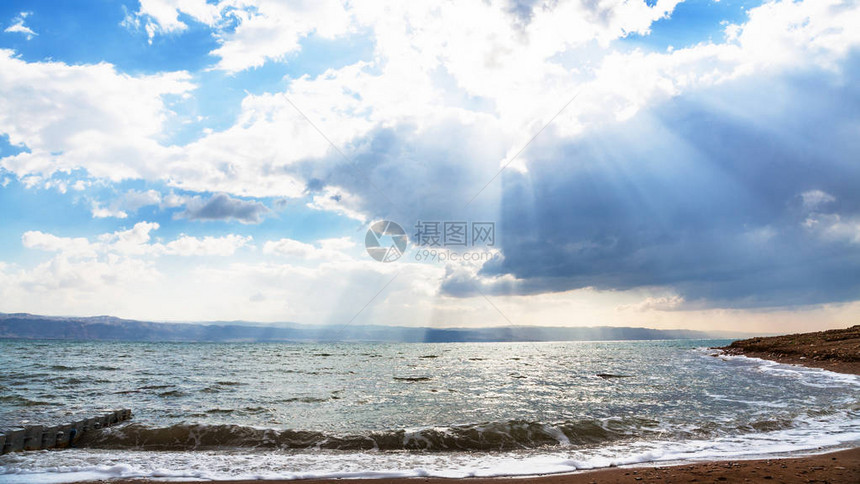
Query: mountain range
(108, 328)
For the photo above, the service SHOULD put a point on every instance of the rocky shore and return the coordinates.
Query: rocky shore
(834, 350)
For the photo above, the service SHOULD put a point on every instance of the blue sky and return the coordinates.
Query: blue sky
(664, 163)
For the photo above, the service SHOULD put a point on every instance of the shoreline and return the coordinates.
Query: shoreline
(836, 366)
(837, 467)
(836, 350)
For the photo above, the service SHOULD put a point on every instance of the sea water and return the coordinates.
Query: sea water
(268, 410)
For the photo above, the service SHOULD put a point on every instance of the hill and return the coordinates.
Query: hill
(107, 328)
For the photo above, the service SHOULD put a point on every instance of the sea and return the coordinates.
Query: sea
(217, 411)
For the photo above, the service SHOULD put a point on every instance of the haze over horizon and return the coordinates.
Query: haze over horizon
(664, 163)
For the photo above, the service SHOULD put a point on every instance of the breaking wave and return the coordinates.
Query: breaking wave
(511, 435)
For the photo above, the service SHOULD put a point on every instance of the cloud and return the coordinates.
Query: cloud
(111, 272)
(663, 201)
(251, 32)
(129, 202)
(98, 211)
(823, 220)
(814, 199)
(162, 16)
(75, 247)
(207, 246)
(270, 29)
(18, 27)
(109, 125)
(224, 207)
(664, 303)
(329, 249)
(134, 242)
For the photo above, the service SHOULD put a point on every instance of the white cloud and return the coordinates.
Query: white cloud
(129, 202)
(270, 29)
(662, 303)
(207, 246)
(822, 221)
(289, 248)
(251, 32)
(328, 250)
(99, 211)
(88, 116)
(126, 282)
(834, 227)
(162, 16)
(73, 247)
(18, 27)
(134, 242)
(337, 200)
(133, 200)
(815, 199)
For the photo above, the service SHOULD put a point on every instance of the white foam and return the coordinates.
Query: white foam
(814, 377)
(807, 435)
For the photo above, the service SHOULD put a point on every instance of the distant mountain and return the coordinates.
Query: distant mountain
(107, 328)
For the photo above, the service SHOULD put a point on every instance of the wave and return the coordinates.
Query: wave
(487, 436)
(511, 435)
(16, 400)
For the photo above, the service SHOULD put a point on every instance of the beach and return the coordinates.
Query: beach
(841, 467)
(662, 411)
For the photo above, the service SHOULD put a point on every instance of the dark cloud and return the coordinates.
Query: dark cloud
(406, 174)
(702, 195)
(314, 185)
(523, 10)
(224, 207)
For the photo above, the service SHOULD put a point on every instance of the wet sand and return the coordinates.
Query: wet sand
(835, 468)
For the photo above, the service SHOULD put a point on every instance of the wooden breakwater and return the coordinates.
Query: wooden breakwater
(38, 437)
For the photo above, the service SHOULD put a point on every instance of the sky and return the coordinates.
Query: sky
(662, 163)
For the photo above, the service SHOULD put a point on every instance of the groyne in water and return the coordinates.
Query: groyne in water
(39, 437)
